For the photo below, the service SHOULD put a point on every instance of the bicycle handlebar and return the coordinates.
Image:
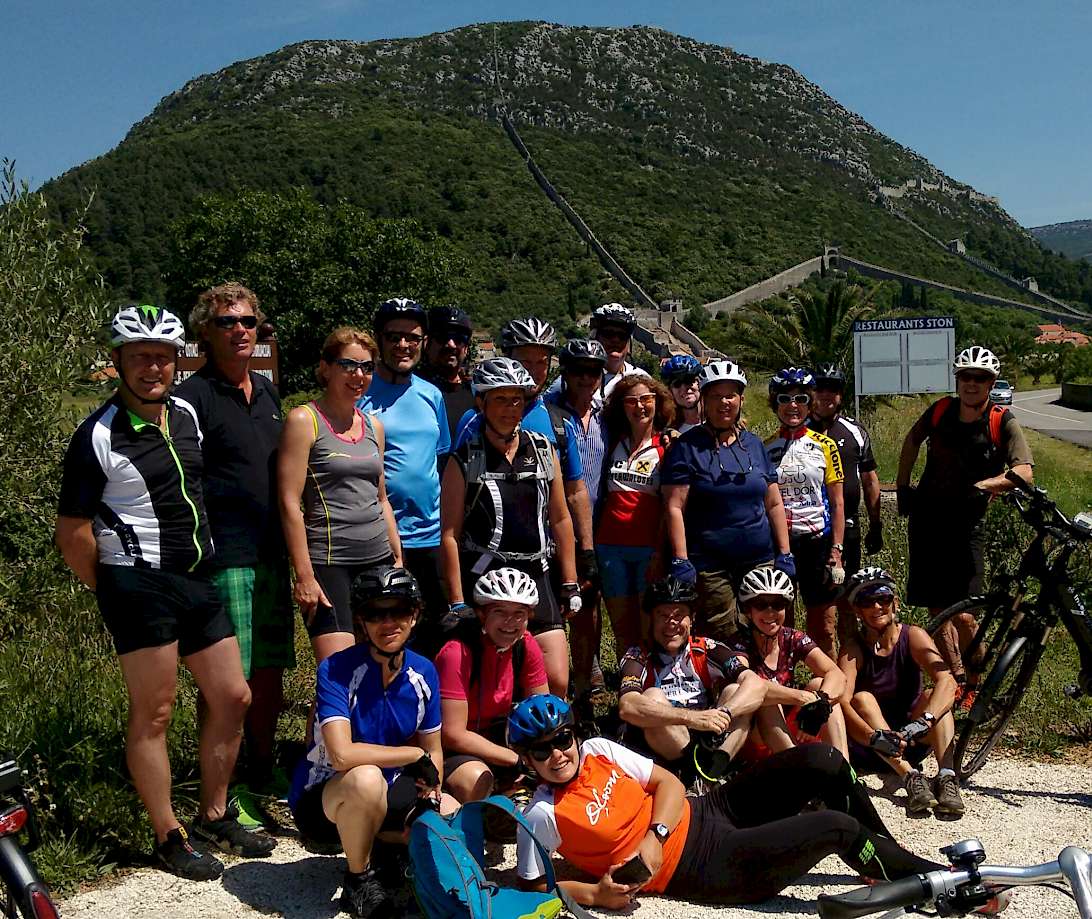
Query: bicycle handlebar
(1042, 514)
(941, 889)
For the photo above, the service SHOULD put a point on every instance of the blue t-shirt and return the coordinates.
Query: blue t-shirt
(349, 687)
(725, 517)
(592, 445)
(536, 417)
(415, 423)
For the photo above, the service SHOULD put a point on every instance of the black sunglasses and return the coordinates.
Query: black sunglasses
(975, 377)
(541, 752)
(349, 365)
(761, 605)
(734, 477)
(585, 371)
(398, 614)
(458, 336)
(396, 338)
(228, 322)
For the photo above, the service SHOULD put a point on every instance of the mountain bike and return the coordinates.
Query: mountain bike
(22, 892)
(1015, 621)
(967, 886)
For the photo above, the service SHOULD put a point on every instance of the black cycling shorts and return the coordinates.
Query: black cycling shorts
(336, 582)
(313, 824)
(149, 608)
(813, 582)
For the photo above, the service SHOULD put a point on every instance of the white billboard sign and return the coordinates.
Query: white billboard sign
(906, 355)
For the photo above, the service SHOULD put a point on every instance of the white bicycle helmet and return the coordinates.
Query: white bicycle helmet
(530, 331)
(723, 372)
(868, 579)
(613, 313)
(500, 373)
(146, 323)
(505, 585)
(977, 358)
(759, 581)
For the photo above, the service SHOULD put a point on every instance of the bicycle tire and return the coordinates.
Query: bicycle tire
(997, 702)
(994, 618)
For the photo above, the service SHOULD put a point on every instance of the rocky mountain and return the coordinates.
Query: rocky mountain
(1072, 239)
(702, 169)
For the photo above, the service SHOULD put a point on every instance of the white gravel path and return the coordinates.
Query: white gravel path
(1024, 813)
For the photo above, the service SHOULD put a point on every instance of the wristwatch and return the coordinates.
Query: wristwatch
(660, 831)
(929, 717)
(838, 546)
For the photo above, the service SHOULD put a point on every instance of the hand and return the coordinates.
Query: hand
(888, 743)
(587, 569)
(996, 486)
(683, 570)
(811, 717)
(571, 603)
(834, 560)
(611, 895)
(904, 495)
(668, 437)
(711, 720)
(423, 770)
(457, 612)
(874, 540)
(784, 561)
(916, 730)
(308, 595)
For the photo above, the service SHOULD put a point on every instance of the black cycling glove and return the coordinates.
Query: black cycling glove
(916, 730)
(874, 540)
(904, 494)
(423, 769)
(886, 743)
(814, 715)
(587, 567)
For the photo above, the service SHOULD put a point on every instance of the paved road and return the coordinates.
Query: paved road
(1039, 409)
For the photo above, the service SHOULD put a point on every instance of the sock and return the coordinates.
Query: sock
(946, 772)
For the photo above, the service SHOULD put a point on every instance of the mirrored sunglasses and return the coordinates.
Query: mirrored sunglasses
(229, 322)
(799, 398)
(541, 752)
(349, 365)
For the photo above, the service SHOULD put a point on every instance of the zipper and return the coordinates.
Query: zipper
(166, 432)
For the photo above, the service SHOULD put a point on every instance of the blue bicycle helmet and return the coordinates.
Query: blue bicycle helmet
(791, 378)
(537, 717)
(680, 366)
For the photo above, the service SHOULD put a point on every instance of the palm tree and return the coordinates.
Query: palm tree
(812, 328)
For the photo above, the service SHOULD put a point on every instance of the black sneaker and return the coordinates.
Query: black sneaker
(363, 896)
(231, 836)
(177, 856)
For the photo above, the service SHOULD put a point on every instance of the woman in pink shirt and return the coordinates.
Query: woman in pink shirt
(479, 671)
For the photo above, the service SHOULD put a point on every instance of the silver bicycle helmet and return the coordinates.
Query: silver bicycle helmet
(530, 331)
(500, 373)
(613, 314)
(760, 581)
(867, 580)
(146, 323)
(505, 585)
(977, 358)
(586, 350)
(723, 372)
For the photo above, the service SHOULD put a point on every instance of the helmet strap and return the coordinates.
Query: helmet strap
(504, 438)
(394, 658)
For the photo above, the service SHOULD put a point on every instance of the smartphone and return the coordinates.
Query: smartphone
(635, 871)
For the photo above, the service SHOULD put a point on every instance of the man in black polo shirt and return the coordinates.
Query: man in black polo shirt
(449, 331)
(240, 414)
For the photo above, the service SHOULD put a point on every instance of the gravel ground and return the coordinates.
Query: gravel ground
(1023, 812)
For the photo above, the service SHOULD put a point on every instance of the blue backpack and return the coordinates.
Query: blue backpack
(448, 855)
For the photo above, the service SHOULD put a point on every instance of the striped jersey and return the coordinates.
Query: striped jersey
(807, 462)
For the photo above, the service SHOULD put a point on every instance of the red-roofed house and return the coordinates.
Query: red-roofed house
(1054, 334)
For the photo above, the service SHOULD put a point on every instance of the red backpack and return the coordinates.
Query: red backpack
(699, 654)
(996, 418)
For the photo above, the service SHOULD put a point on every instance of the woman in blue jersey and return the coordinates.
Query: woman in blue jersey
(722, 502)
(809, 472)
(331, 460)
(374, 755)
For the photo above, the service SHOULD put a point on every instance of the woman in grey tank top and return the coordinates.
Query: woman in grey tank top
(337, 519)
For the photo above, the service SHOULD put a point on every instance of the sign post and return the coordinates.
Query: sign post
(900, 356)
(263, 361)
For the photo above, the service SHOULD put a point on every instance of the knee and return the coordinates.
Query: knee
(364, 785)
(151, 717)
(655, 694)
(231, 701)
(862, 701)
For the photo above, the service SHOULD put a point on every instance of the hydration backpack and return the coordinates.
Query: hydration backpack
(995, 420)
(448, 855)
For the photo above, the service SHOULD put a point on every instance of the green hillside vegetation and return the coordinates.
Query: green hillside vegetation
(1072, 239)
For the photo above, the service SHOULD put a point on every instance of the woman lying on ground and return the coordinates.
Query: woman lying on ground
(627, 824)
(773, 651)
(479, 670)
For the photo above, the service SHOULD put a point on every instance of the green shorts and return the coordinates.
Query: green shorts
(718, 615)
(259, 602)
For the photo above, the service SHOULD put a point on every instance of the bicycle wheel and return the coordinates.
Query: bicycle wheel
(997, 701)
(994, 618)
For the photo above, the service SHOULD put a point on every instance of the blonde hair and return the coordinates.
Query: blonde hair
(337, 340)
(222, 295)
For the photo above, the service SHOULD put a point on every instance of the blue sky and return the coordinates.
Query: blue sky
(994, 93)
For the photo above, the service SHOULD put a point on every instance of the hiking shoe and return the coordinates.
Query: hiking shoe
(390, 864)
(252, 815)
(919, 797)
(363, 896)
(178, 857)
(231, 836)
(949, 800)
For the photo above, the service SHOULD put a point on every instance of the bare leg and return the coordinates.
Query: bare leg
(942, 736)
(151, 676)
(267, 695)
(669, 740)
(331, 643)
(218, 672)
(742, 699)
(472, 781)
(625, 619)
(822, 625)
(585, 632)
(555, 654)
(773, 728)
(357, 802)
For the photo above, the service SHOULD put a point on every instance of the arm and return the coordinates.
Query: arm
(297, 438)
(452, 496)
(459, 739)
(857, 728)
(430, 743)
(833, 681)
(344, 754)
(775, 512)
(908, 456)
(561, 526)
(576, 496)
(999, 484)
(384, 502)
(870, 488)
(76, 540)
(928, 658)
(668, 800)
(674, 507)
(837, 521)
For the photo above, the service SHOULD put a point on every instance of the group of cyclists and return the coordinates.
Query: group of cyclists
(450, 535)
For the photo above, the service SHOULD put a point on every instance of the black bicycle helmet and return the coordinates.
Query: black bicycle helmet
(830, 374)
(399, 308)
(382, 582)
(668, 590)
(443, 319)
(582, 350)
(613, 314)
(530, 331)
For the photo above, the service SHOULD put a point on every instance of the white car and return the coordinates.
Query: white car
(1001, 394)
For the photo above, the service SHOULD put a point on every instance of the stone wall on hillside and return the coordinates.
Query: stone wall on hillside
(771, 287)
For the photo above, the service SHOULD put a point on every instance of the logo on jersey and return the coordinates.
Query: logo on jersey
(599, 806)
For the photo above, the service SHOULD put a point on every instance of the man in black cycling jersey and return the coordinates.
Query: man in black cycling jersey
(449, 332)
(132, 526)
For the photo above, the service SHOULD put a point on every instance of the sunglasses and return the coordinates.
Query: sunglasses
(541, 752)
(774, 603)
(737, 476)
(460, 337)
(398, 614)
(507, 401)
(975, 377)
(612, 334)
(884, 599)
(647, 400)
(800, 398)
(349, 365)
(396, 338)
(586, 372)
(684, 383)
(228, 322)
